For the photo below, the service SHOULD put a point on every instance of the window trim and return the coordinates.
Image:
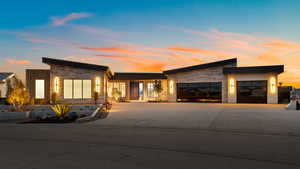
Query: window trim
(82, 95)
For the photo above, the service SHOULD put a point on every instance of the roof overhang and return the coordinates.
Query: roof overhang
(51, 61)
(202, 66)
(138, 76)
(254, 69)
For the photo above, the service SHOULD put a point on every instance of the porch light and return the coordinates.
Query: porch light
(231, 86)
(97, 84)
(56, 85)
(171, 87)
(273, 85)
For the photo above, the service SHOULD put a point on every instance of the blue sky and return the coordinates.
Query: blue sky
(137, 35)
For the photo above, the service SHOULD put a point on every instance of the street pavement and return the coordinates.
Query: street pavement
(102, 144)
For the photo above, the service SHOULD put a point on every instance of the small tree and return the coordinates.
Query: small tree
(116, 94)
(19, 97)
(158, 88)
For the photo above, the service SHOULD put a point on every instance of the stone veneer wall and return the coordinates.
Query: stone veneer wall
(34, 74)
(67, 72)
(272, 98)
(214, 74)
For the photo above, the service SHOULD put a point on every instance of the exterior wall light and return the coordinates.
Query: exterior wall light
(171, 87)
(231, 86)
(56, 85)
(97, 85)
(273, 85)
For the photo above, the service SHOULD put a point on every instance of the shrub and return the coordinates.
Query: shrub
(116, 94)
(61, 110)
(18, 97)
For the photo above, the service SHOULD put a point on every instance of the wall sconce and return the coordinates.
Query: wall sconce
(231, 86)
(171, 87)
(97, 84)
(273, 85)
(56, 85)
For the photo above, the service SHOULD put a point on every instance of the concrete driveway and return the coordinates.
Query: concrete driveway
(260, 118)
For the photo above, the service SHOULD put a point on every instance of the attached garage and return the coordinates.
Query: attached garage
(252, 91)
(200, 92)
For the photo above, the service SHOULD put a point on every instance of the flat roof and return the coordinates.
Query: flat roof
(202, 66)
(138, 76)
(254, 69)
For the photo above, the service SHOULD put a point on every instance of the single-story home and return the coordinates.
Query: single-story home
(220, 81)
(6, 79)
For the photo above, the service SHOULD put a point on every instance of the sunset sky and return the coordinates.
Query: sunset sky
(151, 35)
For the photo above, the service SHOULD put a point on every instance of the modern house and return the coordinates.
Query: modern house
(221, 81)
(5, 79)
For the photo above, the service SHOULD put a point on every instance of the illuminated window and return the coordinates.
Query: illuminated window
(77, 89)
(231, 86)
(273, 84)
(171, 87)
(68, 89)
(39, 89)
(87, 89)
(151, 90)
(116, 86)
(56, 85)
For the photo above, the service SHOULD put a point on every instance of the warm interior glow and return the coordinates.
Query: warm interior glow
(231, 86)
(273, 85)
(39, 89)
(56, 85)
(97, 85)
(171, 87)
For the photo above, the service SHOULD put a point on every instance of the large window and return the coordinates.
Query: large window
(39, 89)
(77, 89)
(151, 91)
(116, 86)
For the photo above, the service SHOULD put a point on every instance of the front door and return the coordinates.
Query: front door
(134, 90)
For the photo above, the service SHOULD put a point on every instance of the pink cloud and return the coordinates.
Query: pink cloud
(18, 62)
(59, 21)
(138, 63)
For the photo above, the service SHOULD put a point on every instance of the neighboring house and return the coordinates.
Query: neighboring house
(221, 81)
(5, 79)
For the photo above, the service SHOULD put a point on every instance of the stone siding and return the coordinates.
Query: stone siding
(272, 98)
(214, 74)
(34, 74)
(67, 72)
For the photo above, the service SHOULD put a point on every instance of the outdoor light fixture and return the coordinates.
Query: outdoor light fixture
(56, 85)
(171, 87)
(273, 84)
(231, 86)
(97, 85)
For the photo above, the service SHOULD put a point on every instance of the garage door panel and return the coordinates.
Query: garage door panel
(200, 92)
(252, 91)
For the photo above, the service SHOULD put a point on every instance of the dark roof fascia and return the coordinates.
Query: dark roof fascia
(202, 66)
(138, 76)
(254, 69)
(52, 61)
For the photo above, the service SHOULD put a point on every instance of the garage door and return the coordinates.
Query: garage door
(252, 91)
(199, 92)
